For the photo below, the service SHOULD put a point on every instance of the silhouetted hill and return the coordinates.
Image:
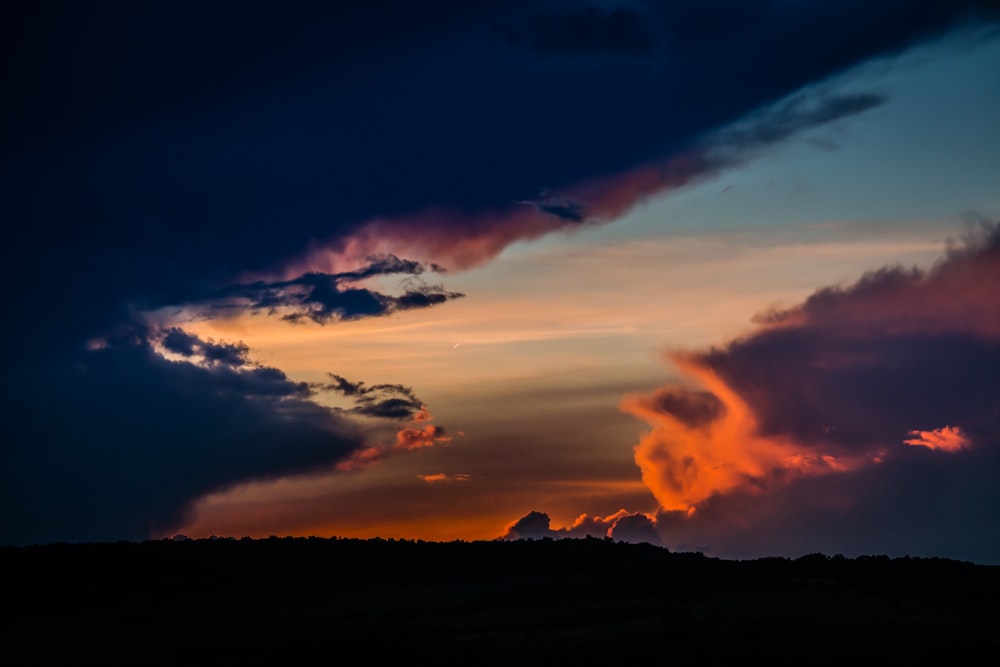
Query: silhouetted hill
(279, 600)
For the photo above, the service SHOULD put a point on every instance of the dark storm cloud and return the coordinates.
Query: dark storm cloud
(125, 440)
(871, 408)
(470, 240)
(181, 167)
(924, 504)
(591, 29)
(900, 349)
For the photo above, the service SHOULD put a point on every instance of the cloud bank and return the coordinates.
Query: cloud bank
(863, 420)
(889, 380)
(127, 439)
(142, 426)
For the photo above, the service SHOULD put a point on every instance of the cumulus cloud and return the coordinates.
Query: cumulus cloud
(684, 463)
(622, 526)
(635, 528)
(127, 439)
(532, 526)
(845, 387)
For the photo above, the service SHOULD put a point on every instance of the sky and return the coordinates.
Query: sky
(720, 275)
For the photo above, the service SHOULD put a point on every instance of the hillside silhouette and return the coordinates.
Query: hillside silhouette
(587, 600)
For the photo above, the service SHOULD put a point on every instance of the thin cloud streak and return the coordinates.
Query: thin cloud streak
(945, 439)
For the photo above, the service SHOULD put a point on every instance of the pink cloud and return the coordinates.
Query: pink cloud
(946, 439)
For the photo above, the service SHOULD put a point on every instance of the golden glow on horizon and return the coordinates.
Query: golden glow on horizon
(537, 324)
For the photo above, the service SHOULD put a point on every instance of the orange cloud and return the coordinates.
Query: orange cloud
(827, 386)
(363, 458)
(407, 439)
(444, 477)
(947, 439)
(416, 438)
(695, 452)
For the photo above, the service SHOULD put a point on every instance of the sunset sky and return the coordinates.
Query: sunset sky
(722, 275)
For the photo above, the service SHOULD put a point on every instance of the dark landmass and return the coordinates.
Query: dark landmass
(275, 601)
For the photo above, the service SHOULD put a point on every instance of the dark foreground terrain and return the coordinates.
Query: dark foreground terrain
(587, 601)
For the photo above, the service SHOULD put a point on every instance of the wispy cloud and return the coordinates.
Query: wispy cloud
(386, 401)
(945, 439)
(444, 478)
(325, 297)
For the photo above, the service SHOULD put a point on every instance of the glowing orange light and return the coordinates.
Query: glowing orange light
(684, 464)
(946, 439)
